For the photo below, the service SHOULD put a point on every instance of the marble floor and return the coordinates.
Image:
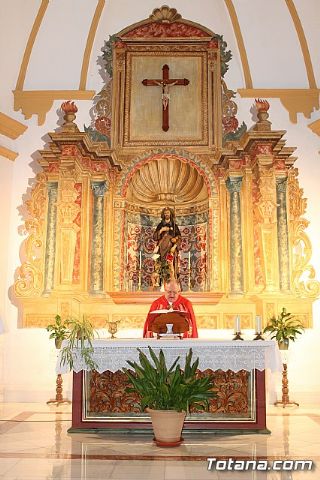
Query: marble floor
(34, 444)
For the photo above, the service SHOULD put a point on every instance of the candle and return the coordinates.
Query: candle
(258, 324)
(140, 259)
(237, 324)
(189, 260)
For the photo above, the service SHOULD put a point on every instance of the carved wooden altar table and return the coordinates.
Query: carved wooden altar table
(100, 400)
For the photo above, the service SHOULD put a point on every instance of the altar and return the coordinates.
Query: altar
(100, 402)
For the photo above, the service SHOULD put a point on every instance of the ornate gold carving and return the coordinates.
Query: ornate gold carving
(30, 274)
(118, 246)
(40, 320)
(213, 254)
(259, 277)
(208, 321)
(65, 309)
(245, 319)
(167, 180)
(165, 50)
(67, 207)
(186, 128)
(129, 321)
(68, 229)
(303, 274)
(270, 311)
(73, 157)
(99, 321)
(165, 14)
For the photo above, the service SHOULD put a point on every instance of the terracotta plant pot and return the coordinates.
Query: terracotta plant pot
(167, 426)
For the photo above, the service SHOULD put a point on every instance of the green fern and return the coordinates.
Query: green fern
(163, 388)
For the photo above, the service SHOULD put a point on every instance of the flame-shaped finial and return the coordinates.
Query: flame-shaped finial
(262, 105)
(263, 124)
(69, 107)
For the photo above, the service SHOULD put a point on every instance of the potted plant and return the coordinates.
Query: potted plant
(81, 335)
(59, 330)
(168, 393)
(284, 328)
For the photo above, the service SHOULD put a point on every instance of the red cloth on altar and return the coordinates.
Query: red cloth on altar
(182, 304)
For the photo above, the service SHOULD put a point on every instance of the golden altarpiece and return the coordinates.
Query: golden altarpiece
(165, 133)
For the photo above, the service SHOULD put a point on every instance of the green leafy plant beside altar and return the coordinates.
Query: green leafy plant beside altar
(168, 393)
(283, 328)
(59, 330)
(79, 340)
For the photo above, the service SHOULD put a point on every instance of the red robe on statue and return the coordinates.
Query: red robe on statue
(182, 304)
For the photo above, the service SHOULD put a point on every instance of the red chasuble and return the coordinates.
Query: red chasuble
(181, 304)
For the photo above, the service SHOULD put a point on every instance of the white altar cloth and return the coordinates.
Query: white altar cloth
(112, 355)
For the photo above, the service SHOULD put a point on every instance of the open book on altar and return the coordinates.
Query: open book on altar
(177, 320)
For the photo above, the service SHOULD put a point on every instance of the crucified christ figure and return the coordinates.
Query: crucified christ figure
(165, 83)
(165, 92)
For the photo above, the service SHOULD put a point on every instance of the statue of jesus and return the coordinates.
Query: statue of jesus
(168, 238)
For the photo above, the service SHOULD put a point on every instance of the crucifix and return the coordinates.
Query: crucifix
(165, 83)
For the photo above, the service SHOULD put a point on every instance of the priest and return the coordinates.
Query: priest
(172, 299)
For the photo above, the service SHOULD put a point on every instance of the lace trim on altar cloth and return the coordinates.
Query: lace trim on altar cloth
(112, 355)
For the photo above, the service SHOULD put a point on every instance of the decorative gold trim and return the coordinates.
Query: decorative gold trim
(240, 42)
(303, 43)
(11, 128)
(294, 100)
(7, 153)
(89, 44)
(315, 127)
(39, 102)
(165, 14)
(203, 137)
(30, 43)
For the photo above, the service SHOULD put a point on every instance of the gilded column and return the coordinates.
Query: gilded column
(97, 250)
(51, 238)
(236, 255)
(283, 241)
(68, 229)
